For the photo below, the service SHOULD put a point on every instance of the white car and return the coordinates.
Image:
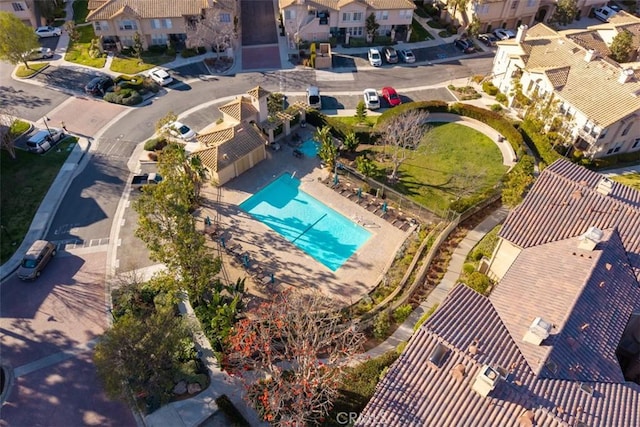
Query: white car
(503, 34)
(160, 76)
(604, 13)
(180, 130)
(375, 58)
(48, 31)
(371, 99)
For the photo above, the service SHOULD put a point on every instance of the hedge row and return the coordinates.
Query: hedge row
(124, 97)
(539, 142)
(340, 129)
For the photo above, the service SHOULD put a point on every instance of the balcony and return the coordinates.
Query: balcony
(588, 136)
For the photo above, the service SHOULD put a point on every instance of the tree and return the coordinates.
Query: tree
(49, 8)
(7, 138)
(328, 151)
(371, 26)
(214, 29)
(168, 118)
(622, 46)
(361, 112)
(365, 165)
(473, 29)
(351, 141)
(565, 13)
(275, 103)
(402, 135)
(459, 4)
(299, 350)
(137, 46)
(16, 39)
(72, 31)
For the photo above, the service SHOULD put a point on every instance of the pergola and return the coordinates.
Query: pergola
(285, 117)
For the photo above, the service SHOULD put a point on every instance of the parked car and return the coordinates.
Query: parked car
(503, 34)
(488, 39)
(139, 181)
(40, 53)
(374, 56)
(313, 97)
(42, 141)
(604, 13)
(180, 130)
(371, 100)
(390, 55)
(407, 56)
(99, 85)
(391, 96)
(35, 260)
(614, 6)
(464, 45)
(48, 31)
(160, 76)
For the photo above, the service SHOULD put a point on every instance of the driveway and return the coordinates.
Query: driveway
(48, 329)
(71, 79)
(259, 22)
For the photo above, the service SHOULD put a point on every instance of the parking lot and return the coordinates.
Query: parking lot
(425, 54)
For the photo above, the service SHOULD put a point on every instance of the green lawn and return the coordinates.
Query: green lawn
(24, 182)
(34, 67)
(370, 121)
(127, 65)
(631, 180)
(78, 52)
(453, 162)
(418, 33)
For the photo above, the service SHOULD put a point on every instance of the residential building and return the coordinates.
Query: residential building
(23, 9)
(236, 144)
(598, 99)
(557, 343)
(317, 20)
(159, 22)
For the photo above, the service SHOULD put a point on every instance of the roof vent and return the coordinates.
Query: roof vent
(225, 156)
(486, 380)
(526, 419)
(590, 238)
(438, 355)
(537, 332)
(458, 371)
(605, 186)
(625, 75)
(590, 55)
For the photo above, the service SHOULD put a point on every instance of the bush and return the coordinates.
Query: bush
(124, 96)
(468, 268)
(538, 142)
(158, 48)
(382, 325)
(401, 313)
(501, 98)
(489, 88)
(478, 282)
(496, 107)
(155, 144)
(431, 106)
(191, 52)
(130, 82)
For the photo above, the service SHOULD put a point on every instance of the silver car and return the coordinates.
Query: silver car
(36, 258)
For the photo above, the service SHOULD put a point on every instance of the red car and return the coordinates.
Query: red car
(391, 96)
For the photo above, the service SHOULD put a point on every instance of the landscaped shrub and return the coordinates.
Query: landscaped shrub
(496, 107)
(538, 141)
(124, 97)
(382, 325)
(478, 282)
(431, 106)
(191, 52)
(401, 313)
(517, 181)
(501, 98)
(155, 144)
(158, 48)
(489, 88)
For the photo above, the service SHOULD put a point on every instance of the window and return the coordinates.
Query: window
(127, 41)
(531, 3)
(382, 15)
(17, 7)
(289, 14)
(355, 31)
(615, 149)
(482, 9)
(155, 24)
(127, 24)
(636, 144)
(357, 16)
(225, 17)
(627, 129)
(514, 5)
(346, 16)
(168, 23)
(159, 39)
(405, 14)
(101, 25)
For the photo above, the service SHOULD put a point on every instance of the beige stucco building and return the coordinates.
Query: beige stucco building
(22, 9)
(317, 20)
(597, 98)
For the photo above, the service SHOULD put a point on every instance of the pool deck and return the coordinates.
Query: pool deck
(274, 254)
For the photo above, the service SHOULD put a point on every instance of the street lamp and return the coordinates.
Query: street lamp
(45, 119)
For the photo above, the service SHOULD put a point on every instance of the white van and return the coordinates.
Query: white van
(43, 140)
(313, 97)
(604, 13)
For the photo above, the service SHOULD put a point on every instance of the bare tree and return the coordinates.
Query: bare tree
(283, 344)
(402, 136)
(7, 138)
(214, 28)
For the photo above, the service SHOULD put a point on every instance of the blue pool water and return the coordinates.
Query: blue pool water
(310, 148)
(327, 236)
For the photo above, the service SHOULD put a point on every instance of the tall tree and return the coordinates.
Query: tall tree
(565, 13)
(328, 151)
(371, 26)
(299, 350)
(72, 31)
(137, 45)
(622, 46)
(16, 39)
(214, 29)
(361, 112)
(401, 137)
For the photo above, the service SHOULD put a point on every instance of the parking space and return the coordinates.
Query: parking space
(189, 71)
(346, 59)
(50, 42)
(67, 78)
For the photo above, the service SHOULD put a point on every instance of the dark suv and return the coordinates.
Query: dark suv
(99, 85)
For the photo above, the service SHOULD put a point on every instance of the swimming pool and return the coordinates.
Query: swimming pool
(327, 236)
(310, 148)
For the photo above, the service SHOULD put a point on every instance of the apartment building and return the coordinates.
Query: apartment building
(23, 9)
(598, 97)
(317, 20)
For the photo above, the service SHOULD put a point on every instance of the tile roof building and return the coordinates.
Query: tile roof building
(597, 98)
(557, 343)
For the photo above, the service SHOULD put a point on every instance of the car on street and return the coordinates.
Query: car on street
(374, 56)
(488, 39)
(390, 55)
(464, 45)
(40, 53)
(604, 13)
(391, 96)
(503, 34)
(160, 76)
(614, 6)
(371, 99)
(36, 259)
(48, 31)
(407, 56)
(313, 97)
(180, 130)
(98, 86)
(42, 141)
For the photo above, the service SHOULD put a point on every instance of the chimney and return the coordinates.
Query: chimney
(605, 186)
(590, 55)
(537, 332)
(521, 34)
(590, 238)
(486, 381)
(625, 75)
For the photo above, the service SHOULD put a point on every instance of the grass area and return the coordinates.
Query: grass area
(80, 11)
(78, 52)
(18, 127)
(128, 65)
(370, 121)
(24, 183)
(631, 179)
(24, 72)
(452, 162)
(419, 33)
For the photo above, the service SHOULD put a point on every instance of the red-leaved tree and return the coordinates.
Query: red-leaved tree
(291, 357)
